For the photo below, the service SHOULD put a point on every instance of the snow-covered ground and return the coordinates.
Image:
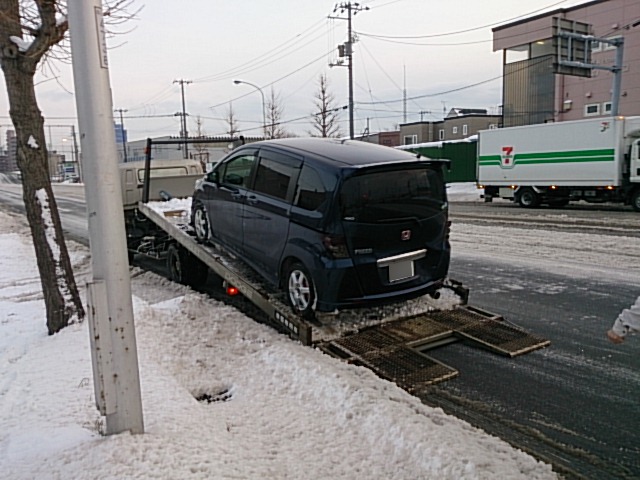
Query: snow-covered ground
(283, 410)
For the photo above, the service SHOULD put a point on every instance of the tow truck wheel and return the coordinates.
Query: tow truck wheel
(201, 223)
(528, 198)
(185, 268)
(301, 291)
(635, 200)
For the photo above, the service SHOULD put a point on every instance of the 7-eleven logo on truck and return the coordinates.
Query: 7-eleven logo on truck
(506, 157)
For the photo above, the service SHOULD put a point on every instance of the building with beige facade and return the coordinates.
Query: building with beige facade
(533, 93)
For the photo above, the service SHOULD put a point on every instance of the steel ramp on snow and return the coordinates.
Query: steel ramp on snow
(392, 349)
(390, 358)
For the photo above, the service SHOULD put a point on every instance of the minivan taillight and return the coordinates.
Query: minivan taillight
(336, 245)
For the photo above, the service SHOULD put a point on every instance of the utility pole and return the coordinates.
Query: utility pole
(422, 113)
(183, 124)
(346, 49)
(111, 327)
(76, 157)
(404, 96)
(124, 136)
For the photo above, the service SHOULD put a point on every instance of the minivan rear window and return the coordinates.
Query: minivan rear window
(389, 196)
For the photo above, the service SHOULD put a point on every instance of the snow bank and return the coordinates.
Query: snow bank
(281, 410)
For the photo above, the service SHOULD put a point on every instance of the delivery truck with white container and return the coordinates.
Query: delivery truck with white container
(595, 160)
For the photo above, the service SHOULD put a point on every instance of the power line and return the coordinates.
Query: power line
(275, 81)
(258, 61)
(457, 89)
(466, 30)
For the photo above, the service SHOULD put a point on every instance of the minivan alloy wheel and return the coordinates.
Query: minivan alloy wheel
(201, 224)
(300, 289)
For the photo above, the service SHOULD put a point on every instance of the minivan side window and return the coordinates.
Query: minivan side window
(274, 178)
(311, 193)
(237, 171)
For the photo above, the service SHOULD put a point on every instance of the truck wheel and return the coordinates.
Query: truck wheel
(185, 268)
(301, 292)
(201, 223)
(528, 198)
(635, 200)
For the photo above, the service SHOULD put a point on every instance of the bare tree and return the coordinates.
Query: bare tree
(34, 31)
(275, 111)
(231, 121)
(326, 115)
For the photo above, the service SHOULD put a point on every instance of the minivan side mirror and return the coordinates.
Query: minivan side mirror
(212, 176)
(233, 179)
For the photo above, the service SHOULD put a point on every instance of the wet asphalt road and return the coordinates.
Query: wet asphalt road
(574, 404)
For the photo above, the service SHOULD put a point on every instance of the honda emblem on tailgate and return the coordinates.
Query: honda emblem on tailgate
(405, 235)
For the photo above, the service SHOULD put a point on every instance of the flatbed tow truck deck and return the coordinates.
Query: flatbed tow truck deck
(391, 341)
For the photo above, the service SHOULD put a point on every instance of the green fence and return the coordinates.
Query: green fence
(463, 157)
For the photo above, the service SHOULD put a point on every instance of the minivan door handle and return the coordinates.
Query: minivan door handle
(236, 195)
(252, 200)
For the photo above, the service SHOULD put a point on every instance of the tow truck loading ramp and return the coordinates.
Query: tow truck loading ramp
(393, 347)
(395, 350)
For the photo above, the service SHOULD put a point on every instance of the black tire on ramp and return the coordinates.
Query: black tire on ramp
(185, 268)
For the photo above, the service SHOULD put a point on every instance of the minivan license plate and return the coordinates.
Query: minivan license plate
(401, 267)
(400, 270)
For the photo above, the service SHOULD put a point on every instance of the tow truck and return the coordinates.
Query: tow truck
(391, 340)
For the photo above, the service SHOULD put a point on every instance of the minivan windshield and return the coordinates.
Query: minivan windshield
(390, 196)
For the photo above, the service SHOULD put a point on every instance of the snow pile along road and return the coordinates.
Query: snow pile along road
(274, 408)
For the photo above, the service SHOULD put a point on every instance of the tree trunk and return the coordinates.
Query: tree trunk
(62, 299)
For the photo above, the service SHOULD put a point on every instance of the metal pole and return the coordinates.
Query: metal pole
(617, 78)
(350, 67)
(183, 124)
(111, 327)
(264, 116)
(147, 171)
(124, 136)
(76, 157)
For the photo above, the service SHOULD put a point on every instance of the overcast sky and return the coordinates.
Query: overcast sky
(287, 44)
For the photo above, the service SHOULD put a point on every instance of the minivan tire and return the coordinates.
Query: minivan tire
(301, 291)
(200, 223)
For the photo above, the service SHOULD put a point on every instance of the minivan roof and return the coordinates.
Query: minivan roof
(348, 152)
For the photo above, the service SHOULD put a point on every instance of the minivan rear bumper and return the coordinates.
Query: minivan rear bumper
(342, 290)
(379, 299)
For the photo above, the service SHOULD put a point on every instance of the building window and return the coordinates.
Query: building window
(592, 110)
(441, 134)
(465, 129)
(606, 107)
(410, 139)
(493, 126)
(454, 130)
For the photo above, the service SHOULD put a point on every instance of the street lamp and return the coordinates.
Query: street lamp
(264, 117)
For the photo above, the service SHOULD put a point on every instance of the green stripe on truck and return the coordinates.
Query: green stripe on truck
(580, 156)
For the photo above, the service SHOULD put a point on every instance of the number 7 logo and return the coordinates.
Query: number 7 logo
(506, 158)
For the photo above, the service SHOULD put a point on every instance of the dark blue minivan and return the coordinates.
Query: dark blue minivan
(335, 224)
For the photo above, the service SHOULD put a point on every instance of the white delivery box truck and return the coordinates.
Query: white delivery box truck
(596, 160)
